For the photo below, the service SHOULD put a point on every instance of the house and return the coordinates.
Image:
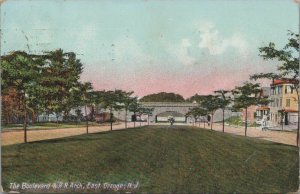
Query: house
(284, 105)
(256, 113)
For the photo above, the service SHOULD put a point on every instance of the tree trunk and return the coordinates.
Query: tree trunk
(111, 119)
(148, 119)
(211, 121)
(56, 118)
(204, 123)
(25, 126)
(140, 121)
(298, 118)
(86, 119)
(125, 118)
(25, 121)
(246, 120)
(223, 128)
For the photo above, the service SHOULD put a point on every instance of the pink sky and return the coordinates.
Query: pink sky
(153, 81)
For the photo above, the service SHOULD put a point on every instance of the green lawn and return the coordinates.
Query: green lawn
(177, 159)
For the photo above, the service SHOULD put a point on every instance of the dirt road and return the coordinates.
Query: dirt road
(14, 137)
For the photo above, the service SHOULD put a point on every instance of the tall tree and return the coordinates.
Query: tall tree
(21, 71)
(246, 96)
(60, 75)
(288, 57)
(224, 101)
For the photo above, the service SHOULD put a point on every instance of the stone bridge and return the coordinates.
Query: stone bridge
(178, 107)
(162, 107)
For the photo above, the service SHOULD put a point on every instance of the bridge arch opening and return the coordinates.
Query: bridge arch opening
(164, 116)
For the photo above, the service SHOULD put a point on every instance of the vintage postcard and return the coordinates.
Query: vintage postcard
(149, 96)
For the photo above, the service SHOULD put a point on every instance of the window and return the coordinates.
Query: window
(280, 102)
(280, 90)
(289, 89)
(285, 89)
(288, 102)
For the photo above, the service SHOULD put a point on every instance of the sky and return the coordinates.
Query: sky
(150, 46)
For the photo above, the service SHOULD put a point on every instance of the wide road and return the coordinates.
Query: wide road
(285, 137)
(17, 136)
(14, 137)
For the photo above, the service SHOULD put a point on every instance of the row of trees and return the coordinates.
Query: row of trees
(239, 98)
(49, 83)
(242, 97)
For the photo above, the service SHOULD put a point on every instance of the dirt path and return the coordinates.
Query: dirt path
(284, 137)
(14, 137)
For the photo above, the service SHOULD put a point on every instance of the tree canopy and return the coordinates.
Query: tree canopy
(163, 97)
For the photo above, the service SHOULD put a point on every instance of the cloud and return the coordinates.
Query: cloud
(211, 40)
(182, 52)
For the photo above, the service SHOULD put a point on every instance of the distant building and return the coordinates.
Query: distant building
(256, 113)
(284, 99)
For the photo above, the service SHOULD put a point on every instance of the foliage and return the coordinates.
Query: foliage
(288, 57)
(197, 112)
(163, 97)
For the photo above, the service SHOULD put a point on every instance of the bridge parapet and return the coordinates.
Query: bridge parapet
(169, 104)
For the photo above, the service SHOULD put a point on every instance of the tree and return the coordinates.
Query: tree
(21, 71)
(85, 90)
(196, 113)
(127, 99)
(163, 97)
(224, 101)
(135, 108)
(288, 57)
(112, 100)
(60, 75)
(210, 103)
(148, 112)
(248, 95)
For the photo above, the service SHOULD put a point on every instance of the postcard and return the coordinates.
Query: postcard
(149, 96)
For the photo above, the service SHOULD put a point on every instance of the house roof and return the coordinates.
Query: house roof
(283, 81)
(263, 108)
(290, 110)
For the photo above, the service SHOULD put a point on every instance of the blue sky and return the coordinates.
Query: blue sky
(150, 46)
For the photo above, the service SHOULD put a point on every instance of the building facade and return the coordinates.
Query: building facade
(284, 105)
